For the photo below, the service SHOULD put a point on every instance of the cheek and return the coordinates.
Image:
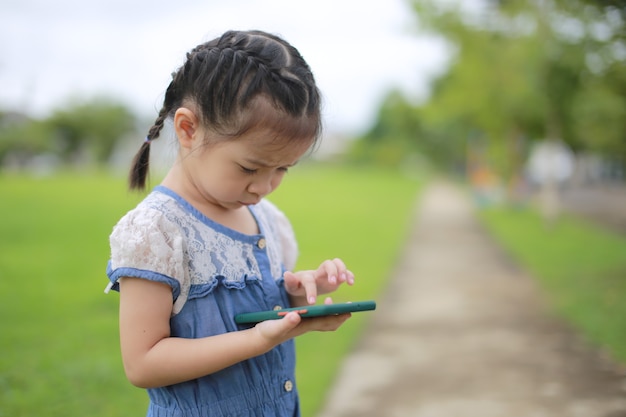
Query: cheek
(232, 186)
(276, 180)
(223, 185)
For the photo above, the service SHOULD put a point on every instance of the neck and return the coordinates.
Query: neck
(239, 219)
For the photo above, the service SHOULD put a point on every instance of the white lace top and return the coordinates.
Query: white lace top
(165, 239)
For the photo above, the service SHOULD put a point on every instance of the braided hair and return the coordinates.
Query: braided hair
(240, 81)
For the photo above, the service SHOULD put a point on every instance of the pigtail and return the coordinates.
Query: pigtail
(140, 166)
(141, 162)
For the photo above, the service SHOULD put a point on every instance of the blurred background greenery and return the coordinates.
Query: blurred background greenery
(522, 74)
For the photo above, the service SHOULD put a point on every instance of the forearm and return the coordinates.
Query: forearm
(172, 360)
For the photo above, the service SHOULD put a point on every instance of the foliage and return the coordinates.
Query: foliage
(396, 119)
(520, 71)
(397, 122)
(23, 138)
(60, 339)
(80, 132)
(95, 125)
(600, 111)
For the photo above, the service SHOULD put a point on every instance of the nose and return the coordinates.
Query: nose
(261, 186)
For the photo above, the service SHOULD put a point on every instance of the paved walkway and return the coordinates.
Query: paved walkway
(463, 332)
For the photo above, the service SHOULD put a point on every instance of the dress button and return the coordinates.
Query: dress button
(278, 308)
(288, 386)
(261, 243)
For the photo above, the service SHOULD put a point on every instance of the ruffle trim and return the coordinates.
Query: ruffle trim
(195, 291)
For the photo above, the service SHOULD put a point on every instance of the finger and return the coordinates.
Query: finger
(279, 329)
(350, 277)
(291, 281)
(328, 300)
(330, 323)
(307, 282)
(329, 268)
(310, 291)
(342, 271)
(291, 320)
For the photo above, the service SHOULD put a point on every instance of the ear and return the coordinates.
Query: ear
(186, 126)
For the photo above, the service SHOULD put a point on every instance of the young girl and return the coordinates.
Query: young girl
(205, 245)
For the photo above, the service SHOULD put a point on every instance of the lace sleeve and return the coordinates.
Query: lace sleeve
(145, 244)
(286, 235)
(288, 240)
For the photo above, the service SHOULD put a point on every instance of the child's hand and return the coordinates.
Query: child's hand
(292, 325)
(327, 278)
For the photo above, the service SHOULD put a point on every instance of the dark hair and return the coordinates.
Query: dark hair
(231, 80)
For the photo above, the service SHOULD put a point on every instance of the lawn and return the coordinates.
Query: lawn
(581, 268)
(60, 346)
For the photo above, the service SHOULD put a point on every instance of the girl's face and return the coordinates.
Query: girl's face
(241, 171)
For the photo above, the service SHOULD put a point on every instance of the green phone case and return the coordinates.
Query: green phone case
(306, 311)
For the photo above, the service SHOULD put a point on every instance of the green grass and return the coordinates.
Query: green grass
(59, 339)
(581, 268)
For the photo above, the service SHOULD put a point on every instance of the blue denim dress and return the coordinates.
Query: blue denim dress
(215, 273)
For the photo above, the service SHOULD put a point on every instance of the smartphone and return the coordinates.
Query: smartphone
(307, 311)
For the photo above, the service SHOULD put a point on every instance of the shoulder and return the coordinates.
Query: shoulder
(155, 215)
(276, 221)
(148, 243)
(270, 209)
(275, 218)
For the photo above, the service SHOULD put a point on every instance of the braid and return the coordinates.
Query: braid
(226, 77)
(239, 66)
(155, 130)
(141, 162)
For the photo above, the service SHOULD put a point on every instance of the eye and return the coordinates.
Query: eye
(248, 171)
(284, 169)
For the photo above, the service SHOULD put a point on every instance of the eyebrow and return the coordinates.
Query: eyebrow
(265, 164)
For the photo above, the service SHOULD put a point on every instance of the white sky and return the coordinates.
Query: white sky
(358, 49)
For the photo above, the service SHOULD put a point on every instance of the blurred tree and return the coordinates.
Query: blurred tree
(22, 138)
(491, 92)
(529, 70)
(80, 132)
(598, 113)
(520, 71)
(94, 126)
(394, 134)
(396, 119)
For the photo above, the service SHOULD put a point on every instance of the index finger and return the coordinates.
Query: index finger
(310, 288)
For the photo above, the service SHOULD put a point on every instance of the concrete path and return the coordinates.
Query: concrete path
(463, 332)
